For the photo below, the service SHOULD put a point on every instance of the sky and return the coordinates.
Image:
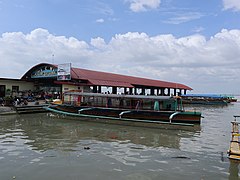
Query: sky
(193, 42)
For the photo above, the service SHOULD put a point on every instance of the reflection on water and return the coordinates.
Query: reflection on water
(42, 147)
(233, 170)
(43, 133)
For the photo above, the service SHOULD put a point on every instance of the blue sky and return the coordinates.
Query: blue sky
(196, 43)
(86, 19)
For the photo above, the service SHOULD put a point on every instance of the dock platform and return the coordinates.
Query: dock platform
(30, 109)
(234, 150)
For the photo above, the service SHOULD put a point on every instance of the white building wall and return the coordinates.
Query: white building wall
(21, 84)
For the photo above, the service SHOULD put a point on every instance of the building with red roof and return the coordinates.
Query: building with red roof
(52, 78)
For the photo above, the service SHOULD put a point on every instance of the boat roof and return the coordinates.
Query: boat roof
(122, 96)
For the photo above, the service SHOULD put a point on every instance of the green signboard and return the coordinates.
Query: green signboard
(44, 72)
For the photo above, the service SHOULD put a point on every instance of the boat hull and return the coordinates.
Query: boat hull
(129, 117)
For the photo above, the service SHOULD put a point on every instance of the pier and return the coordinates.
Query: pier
(234, 150)
(31, 107)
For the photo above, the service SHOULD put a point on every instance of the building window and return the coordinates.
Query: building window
(15, 88)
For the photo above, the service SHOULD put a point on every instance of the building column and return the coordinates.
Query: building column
(180, 92)
(125, 90)
(135, 91)
(185, 91)
(152, 91)
(162, 91)
(114, 90)
(169, 91)
(158, 91)
(94, 89)
(143, 91)
(99, 89)
(130, 90)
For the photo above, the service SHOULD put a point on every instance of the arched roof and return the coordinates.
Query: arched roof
(27, 75)
(111, 79)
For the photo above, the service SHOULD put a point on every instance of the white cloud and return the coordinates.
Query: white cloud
(98, 43)
(231, 4)
(184, 17)
(143, 5)
(198, 29)
(100, 20)
(104, 9)
(207, 65)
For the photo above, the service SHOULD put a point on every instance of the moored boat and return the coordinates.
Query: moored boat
(206, 99)
(127, 109)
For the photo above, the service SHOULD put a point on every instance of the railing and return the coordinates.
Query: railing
(172, 115)
(124, 112)
(85, 109)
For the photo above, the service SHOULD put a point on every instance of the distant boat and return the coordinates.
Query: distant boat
(230, 98)
(139, 110)
(207, 99)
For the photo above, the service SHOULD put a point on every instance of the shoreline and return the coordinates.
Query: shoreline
(6, 110)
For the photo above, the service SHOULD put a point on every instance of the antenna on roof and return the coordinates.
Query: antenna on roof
(52, 58)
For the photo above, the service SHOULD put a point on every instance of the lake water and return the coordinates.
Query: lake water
(43, 146)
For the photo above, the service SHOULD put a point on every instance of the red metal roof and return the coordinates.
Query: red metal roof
(110, 79)
(110, 83)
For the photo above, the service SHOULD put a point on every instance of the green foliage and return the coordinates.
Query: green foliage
(8, 98)
(8, 92)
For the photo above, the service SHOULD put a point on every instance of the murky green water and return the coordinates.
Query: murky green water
(42, 146)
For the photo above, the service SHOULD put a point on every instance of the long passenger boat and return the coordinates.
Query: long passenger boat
(139, 110)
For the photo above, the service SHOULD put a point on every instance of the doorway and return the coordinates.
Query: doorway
(2, 90)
